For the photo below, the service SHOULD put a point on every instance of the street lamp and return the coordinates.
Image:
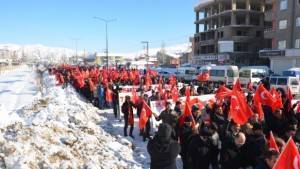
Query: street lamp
(106, 22)
(76, 45)
(147, 47)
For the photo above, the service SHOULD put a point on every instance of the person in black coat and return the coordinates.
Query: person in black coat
(269, 160)
(256, 144)
(200, 149)
(162, 149)
(232, 156)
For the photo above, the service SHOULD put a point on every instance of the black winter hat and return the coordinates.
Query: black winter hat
(164, 132)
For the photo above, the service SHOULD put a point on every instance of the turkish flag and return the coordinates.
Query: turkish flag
(298, 108)
(187, 112)
(175, 94)
(258, 107)
(160, 80)
(272, 143)
(135, 97)
(239, 111)
(148, 81)
(290, 98)
(203, 77)
(222, 92)
(188, 94)
(263, 96)
(277, 99)
(237, 86)
(108, 95)
(172, 80)
(145, 115)
(289, 157)
(91, 85)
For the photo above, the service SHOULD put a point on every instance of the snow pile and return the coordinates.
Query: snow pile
(62, 131)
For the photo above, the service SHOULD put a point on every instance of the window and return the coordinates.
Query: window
(245, 73)
(298, 21)
(282, 44)
(294, 82)
(220, 73)
(283, 24)
(273, 81)
(258, 33)
(297, 43)
(232, 73)
(283, 4)
(259, 74)
(282, 81)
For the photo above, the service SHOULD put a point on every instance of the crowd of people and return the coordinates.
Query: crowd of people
(230, 132)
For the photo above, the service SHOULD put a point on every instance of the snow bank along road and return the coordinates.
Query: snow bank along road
(63, 131)
(17, 89)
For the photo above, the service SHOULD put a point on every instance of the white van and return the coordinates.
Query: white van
(186, 73)
(284, 82)
(227, 74)
(205, 68)
(253, 74)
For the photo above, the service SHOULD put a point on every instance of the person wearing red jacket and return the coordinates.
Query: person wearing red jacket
(127, 110)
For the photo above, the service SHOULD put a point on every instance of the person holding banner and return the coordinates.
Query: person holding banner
(127, 110)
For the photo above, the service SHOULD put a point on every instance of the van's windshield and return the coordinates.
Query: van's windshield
(294, 82)
(282, 81)
(190, 72)
(245, 73)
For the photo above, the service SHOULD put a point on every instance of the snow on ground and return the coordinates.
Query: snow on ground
(63, 131)
(17, 89)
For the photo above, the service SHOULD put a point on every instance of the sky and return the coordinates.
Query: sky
(60, 23)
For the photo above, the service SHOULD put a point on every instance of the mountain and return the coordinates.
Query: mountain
(174, 51)
(59, 54)
(39, 52)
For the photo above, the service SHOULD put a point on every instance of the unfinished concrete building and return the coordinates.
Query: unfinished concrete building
(229, 32)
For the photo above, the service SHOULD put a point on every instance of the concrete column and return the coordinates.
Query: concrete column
(261, 21)
(220, 7)
(262, 6)
(248, 18)
(248, 5)
(233, 5)
(197, 15)
(197, 27)
(233, 18)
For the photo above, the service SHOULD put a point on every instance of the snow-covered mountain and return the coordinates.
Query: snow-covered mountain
(39, 52)
(59, 54)
(174, 51)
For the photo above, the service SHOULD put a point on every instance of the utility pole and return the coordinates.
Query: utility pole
(76, 43)
(106, 23)
(147, 48)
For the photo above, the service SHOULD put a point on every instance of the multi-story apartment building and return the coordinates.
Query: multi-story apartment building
(228, 31)
(282, 34)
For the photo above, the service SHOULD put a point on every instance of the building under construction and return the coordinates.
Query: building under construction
(229, 32)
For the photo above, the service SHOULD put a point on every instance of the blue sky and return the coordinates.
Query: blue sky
(58, 22)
